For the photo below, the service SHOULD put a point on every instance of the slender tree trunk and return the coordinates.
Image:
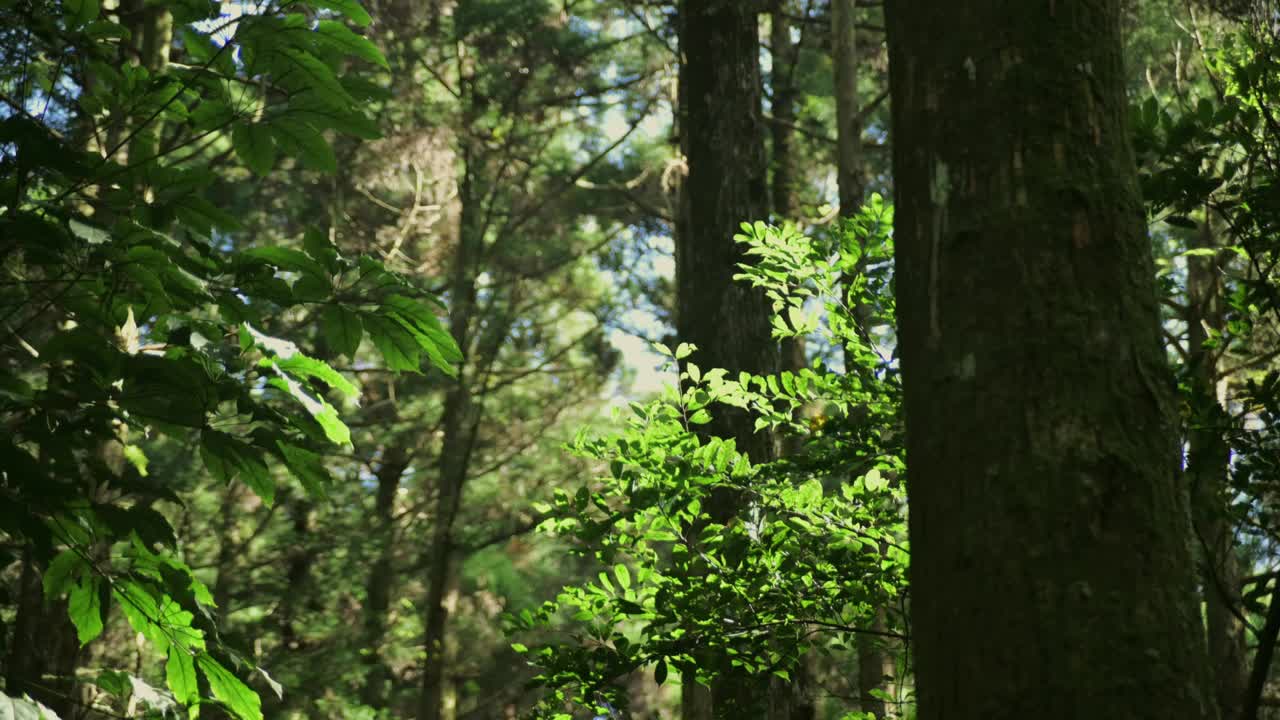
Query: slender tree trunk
(722, 131)
(395, 462)
(1208, 460)
(875, 663)
(458, 435)
(782, 130)
(792, 700)
(850, 171)
(1051, 571)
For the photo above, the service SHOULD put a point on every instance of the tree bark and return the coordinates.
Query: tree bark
(1051, 571)
(458, 430)
(380, 583)
(850, 170)
(783, 87)
(43, 650)
(876, 667)
(723, 139)
(1208, 463)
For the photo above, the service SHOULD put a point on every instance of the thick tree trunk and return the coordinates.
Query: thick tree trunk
(1051, 571)
(722, 131)
(1208, 460)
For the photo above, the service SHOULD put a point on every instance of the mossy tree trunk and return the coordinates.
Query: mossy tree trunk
(1051, 572)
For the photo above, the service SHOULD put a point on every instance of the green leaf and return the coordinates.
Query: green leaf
(316, 80)
(137, 458)
(229, 690)
(350, 8)
(288, 259)
(61, 573)
(426, 330)
(302, 366)
(623, 575)
(80, 12)
(341, 37)
(308, 467)
(275, 686)
(180, 673)
(84, 606)
(419, 314)
(24, 709)
(141, 608)
(874, 482)
(227, 458)
(342, 329)
(305, 143)
(255, 147)
(397, 345)
(334, 429)
(114, 682)
(660, 671)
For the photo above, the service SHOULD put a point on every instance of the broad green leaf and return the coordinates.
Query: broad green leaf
(308, 467)
(88, 233)
(137, 458)
(288, 259)
(305, 143)
(399, 349)
(350, 8)
(255, 147)
(61, 573)
(228, 458)
(334, 429)
(229, 690)
(80, 12)
(314, 79)
(342, 38)
(305, 367)
(85, 608)
(142, 610)
(623, 574)
(114, 682)
(342, 329)
(874, 482)
(421, 316)
(180, 673)
(24, 709)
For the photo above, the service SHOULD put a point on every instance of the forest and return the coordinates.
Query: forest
(640, 359)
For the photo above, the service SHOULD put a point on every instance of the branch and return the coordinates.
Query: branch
(1262, 659)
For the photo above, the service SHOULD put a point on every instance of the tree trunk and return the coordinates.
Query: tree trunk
(876, 668)
(381, 577)
(43, 649)
(458, 430)
(1051, 571)
(723, 133)
(783, 87)
(1208, 460)
(850, 173)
